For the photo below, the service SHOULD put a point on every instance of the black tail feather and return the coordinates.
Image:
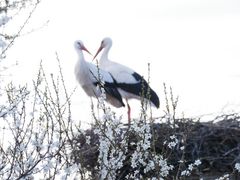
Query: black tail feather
(112, 91)
(141, 89)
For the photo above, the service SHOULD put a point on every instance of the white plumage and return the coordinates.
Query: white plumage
(130, 84)
(87, 74)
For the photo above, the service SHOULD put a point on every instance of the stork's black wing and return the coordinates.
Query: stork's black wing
(141, 88)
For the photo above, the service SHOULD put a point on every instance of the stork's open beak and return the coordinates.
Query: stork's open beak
(99, 50)
(85, 49)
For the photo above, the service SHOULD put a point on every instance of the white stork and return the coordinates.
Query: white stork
(130, 84)
(88, 75)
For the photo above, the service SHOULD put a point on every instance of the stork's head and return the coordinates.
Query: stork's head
(80, 46)
(105, 43)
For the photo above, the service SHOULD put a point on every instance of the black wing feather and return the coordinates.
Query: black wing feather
(110, 88)
(141, 88)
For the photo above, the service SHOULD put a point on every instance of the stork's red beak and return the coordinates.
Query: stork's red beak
(99, 50)
(85, 49)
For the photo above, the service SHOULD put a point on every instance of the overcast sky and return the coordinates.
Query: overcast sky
(192, 45)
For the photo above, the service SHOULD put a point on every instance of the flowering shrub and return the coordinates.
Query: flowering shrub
(8, 10)
(41, 140)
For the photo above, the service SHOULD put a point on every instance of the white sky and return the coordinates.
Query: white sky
(192, 45)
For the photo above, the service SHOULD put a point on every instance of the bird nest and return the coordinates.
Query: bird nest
(215, 143)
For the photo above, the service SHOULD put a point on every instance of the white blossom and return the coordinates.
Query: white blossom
(4, 19)
(2, 43)
(197, 162)
(224, 177)
(185, 173)
(110, 157)
(190, 168)
(48, 166)
(237, 167)
(173, 143)
(88, 138)
(150, 166)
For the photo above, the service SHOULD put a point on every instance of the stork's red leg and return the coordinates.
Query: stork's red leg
(129, 113)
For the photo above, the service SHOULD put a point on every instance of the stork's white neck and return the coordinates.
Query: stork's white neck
(81, 61)
(104, 56)
(81, 68)
(80, 53)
